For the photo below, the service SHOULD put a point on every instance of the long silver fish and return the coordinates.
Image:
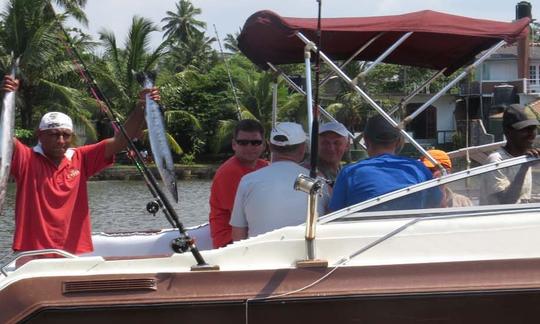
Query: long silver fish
(158, 140)
(7, 132)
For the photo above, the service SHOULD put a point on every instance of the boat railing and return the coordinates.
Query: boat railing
(12, 259)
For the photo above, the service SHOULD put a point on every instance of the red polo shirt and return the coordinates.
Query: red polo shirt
(51, 210)
(222, 194)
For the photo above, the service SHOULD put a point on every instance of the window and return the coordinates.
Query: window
(533, 74)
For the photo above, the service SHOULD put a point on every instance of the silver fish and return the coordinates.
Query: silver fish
(158, 141)
(7, 133)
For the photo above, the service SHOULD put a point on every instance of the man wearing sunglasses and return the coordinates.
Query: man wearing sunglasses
(266, 199)
(248, 145)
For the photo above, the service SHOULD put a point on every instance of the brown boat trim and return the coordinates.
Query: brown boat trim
(27, 296)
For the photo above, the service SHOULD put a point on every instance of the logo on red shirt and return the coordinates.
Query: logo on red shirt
(72, 174)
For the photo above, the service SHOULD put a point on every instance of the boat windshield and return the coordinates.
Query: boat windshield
(515, 181)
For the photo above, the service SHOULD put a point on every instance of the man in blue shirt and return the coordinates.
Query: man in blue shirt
(383, 172)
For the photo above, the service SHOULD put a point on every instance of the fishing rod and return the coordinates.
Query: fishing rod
(184, 242)
(238, 111)
(315, 121)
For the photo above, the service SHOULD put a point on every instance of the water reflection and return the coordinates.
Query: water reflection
(118, 206)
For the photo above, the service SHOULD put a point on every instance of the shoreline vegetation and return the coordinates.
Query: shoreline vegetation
(183, 172)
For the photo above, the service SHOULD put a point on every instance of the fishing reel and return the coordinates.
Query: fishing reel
(152, 207)
(181, 244)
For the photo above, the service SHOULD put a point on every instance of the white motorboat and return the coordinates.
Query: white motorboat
(374, 262)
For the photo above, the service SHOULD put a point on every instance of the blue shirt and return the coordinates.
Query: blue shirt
(380, 175)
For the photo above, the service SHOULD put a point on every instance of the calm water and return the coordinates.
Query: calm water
(118, 206)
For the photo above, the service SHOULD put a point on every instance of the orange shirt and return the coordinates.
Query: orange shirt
(222, 195)
(52, 201)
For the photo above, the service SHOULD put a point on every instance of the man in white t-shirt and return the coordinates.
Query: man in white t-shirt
(512, 185)
(265, 199)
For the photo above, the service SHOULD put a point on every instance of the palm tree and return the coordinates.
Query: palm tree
(231, 42)
(196, 52)
(255, 96)
(181, 26)
(119, 64)
(31, 31)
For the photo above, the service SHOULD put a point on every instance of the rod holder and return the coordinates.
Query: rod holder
(313, 187)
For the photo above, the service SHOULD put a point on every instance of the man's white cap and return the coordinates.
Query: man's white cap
(335, 127)
(287, 133)
(55, 120)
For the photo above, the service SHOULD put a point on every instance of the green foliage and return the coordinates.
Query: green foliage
(231, 42)
(24, 135)
(188, 159)
(182, 25)
(221, 140)
(30, 30)
(115, 72)
(194, 100)
(196, 53)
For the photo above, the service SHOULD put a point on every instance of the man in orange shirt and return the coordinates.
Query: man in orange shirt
(248, 145)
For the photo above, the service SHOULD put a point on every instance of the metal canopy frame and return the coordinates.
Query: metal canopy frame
(354, 86)
(414, 39)
(338, 71)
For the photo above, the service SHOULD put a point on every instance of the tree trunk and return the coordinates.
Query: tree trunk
(27, 110)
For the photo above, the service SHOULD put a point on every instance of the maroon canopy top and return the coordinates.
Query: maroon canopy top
(439, 40)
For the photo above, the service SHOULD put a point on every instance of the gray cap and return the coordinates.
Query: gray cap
(519, 117)
(335, 127)
(287, 133)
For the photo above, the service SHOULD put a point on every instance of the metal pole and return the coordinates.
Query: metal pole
(452, 83)
(309, 95)
(296, 88)
(274, 103)
(382, 57)
(360, 50)
(408, 98)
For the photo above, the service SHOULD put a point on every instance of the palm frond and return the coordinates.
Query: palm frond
(108, 41)
(173, 116)
(223, 135)
(173, 144)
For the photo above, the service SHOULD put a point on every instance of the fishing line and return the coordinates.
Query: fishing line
(238, 111)
(83, 76)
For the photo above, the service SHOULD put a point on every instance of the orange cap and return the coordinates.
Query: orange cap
(440, 156)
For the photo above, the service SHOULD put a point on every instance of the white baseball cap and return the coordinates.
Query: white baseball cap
(55, 120)
(335, 127)
(287, 133)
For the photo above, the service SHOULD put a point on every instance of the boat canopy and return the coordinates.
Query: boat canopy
(438, 40)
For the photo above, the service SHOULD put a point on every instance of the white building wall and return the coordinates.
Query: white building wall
(501, 70)
(445, 106)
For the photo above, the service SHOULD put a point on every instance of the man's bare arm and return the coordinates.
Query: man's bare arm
(239, 233)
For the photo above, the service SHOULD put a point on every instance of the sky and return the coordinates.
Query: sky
(230, 15)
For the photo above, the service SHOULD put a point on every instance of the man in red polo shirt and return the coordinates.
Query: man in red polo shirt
(248, 145)
(51, 209)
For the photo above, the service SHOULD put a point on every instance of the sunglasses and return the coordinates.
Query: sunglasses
(242, 142)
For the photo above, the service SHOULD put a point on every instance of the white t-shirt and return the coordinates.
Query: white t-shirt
(499, 180)
(266, 199)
